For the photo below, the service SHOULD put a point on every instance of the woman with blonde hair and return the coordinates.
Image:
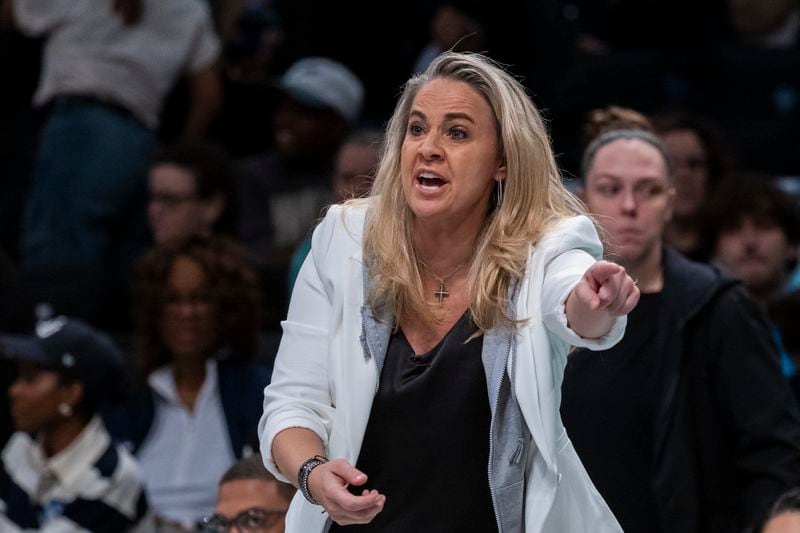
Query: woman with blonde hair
(429, 327)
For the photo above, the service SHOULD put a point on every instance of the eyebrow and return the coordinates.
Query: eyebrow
(447, 116)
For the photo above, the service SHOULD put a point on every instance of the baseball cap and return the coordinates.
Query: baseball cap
(322, 82)
(73, 348)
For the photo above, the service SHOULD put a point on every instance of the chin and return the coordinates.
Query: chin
(423, 209)
(188, 351)
(23, 424)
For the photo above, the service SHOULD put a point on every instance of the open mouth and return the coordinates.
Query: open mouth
(430, 182)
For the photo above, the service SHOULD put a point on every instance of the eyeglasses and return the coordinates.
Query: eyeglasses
(253, 520)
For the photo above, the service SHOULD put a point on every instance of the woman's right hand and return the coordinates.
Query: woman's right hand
(328, 484)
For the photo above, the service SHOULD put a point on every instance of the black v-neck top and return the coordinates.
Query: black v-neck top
(426, 446)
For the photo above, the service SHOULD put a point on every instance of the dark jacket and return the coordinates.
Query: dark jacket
(241, 389)
(726, 432)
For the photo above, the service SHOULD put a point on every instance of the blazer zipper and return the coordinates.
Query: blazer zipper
(491, 435)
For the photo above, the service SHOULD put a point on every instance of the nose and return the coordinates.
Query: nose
(750, 235)
(629, 204)
(186, 309)
(430, 149)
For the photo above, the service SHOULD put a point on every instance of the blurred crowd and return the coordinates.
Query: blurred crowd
(164, 162)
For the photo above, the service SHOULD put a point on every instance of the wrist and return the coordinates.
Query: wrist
(303, 474)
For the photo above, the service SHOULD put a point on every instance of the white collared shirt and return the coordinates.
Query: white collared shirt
(186, 452)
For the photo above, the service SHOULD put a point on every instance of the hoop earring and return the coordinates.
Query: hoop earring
(498, 193)
(65, 409)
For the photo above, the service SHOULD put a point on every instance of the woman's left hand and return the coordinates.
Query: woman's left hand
(607, 286)
(604, 292)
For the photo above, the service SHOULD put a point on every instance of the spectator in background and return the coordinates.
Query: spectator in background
(250, 499)
(753, 232)
(282, 191)
(697, 165)
(60, 471)
(453, 29)
(196, 314)
(248, 75)
(687, 424)
(107, 66)
(354, 170)
(189, 192)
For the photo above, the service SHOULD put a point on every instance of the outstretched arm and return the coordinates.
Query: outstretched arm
(604, 292)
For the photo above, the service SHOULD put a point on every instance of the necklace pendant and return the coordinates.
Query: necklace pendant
(441, 292)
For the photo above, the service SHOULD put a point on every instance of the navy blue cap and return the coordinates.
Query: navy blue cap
(73, 348)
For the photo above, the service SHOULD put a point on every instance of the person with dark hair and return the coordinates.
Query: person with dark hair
(687, 424)
(61, 471)
(752, 232)
(354, 170)
(250, 499)
(282, 191)
(697, 165)
(784, 517)
(190, 192)
(196, 317)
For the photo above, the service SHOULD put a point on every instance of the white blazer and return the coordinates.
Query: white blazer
(322, 380)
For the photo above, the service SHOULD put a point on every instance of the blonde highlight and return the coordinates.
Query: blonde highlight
(534, 199)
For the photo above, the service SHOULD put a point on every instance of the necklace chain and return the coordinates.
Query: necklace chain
(441, 293)
(437, 276)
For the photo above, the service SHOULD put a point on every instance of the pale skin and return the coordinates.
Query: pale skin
(450, 163)
(786, 522)
(628, 190)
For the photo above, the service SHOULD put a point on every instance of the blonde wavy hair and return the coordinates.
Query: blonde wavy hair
(534, 199)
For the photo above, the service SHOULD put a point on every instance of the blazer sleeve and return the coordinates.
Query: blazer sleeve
(299, 394)
(575, 246)
(755, 400)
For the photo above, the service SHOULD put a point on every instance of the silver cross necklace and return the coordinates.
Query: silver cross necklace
(441, 292)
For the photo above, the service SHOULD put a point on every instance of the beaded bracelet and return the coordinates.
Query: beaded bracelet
(305, 471)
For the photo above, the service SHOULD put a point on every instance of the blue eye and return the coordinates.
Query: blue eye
(415, 129)
(458, 134)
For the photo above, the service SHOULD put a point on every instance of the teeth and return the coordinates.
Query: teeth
(429, 181)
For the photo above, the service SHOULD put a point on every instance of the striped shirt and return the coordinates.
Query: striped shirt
(92, 485)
